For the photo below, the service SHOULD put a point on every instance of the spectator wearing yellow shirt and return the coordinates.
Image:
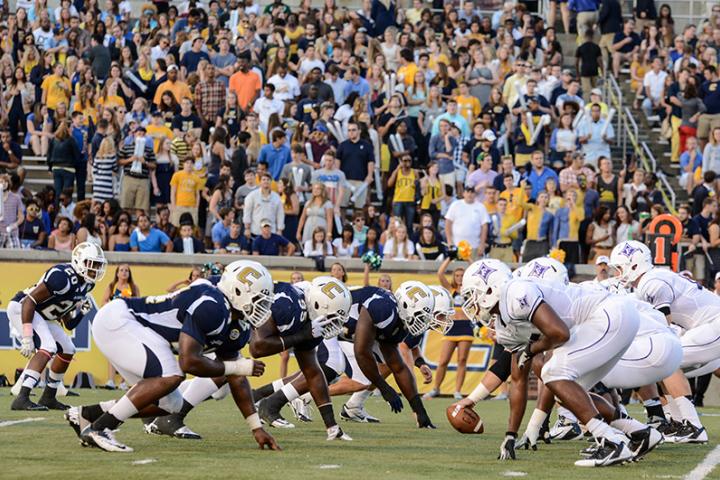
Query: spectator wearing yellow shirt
(516, 198)
(86, 104)
(109, 97)
(500, 222)
(468, 105)
(491, 199)
(56, 88)
(568, 218)
(177, 87)
(436, 57)
(540, 222)
(158, 131)
(185, 187)
(408, 68)
(404, 179)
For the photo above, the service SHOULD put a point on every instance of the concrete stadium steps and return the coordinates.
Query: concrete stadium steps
(38, 176)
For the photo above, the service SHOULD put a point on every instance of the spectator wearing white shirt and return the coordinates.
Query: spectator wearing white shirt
(654, 84)
(399, 246)
(286, 86)
(318, 245)
(345, 246)
(467, 220)
(310, 61)
(267, 105)
(263, 203)
(161, 50)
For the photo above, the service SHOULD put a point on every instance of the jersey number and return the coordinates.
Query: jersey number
(57, 310)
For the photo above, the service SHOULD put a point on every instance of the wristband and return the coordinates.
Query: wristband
(253, 421)
(242, 367)
(511, 434)
(27, 329)
(479, 393)
(419, 362)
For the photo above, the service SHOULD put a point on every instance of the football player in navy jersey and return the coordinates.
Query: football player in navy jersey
(326, 301)
(139, 335)
(35, 315)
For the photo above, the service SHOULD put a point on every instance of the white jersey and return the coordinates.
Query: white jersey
(690, 304)
(572, 303)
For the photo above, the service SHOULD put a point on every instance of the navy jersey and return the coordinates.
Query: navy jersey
(288, 308)
(67, 289)
(199, 310)
(413, 341)
(382, 307)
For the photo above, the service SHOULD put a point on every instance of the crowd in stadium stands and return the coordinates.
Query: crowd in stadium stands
(225, 126)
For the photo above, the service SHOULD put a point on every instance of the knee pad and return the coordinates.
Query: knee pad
(172, 402)
(501, 367)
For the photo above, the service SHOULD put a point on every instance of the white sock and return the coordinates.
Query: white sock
(306, 397)
(107, 405)
(627, 425)
(687, 411)
(290, 392)
(567, 414)
(123, 409)
(199, 389)
(672, 409)
(30, 378)
(600, 429)
(357, 399)
(54, 379)
(277, 384)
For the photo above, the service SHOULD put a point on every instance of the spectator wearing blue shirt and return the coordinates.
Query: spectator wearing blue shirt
(235, 241)
(221, 229)
(690, 160)
(276, 154)
(80, 134)
(148, 239)
(539, 174)
(192, 57)
(710, 93)
(624, 45)
(272, 244)
(357, 161)
(357, 84)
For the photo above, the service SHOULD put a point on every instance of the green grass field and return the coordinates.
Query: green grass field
(392, 449)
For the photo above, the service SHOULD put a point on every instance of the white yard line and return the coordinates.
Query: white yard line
(706, 466)
(24, 420)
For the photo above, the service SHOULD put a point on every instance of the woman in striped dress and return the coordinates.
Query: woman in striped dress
(104, 168)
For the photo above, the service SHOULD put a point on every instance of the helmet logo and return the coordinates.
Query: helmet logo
(332, 290)
(523, 301)
(539, 270)
(628, 250)
(416, 293)
(247, 274)
(485, 271)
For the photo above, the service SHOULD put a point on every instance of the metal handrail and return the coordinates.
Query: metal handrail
(650, 156)
(633, 123)
(663, 178)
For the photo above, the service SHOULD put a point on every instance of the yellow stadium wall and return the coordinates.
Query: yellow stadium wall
(154, 280)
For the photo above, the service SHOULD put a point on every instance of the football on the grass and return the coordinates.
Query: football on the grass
(464, 419)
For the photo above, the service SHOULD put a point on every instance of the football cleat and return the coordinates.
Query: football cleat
(565, 429)
(52, 403)
(171, 425)
(689, 433)
(24, 403)
(659, 423)
(336, 433)
(75, 419)
(606, 453)
(357, 415)
(103, 439)
(643, 441)
(301, 410)
(274, 419)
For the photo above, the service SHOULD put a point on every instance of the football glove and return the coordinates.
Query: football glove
(27, 347)
(392, 397)
(507, 448)
(525, 356)
(85, 306)
(423, 420)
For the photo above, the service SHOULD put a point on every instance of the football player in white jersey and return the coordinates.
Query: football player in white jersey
(690, 306)
(587, 332)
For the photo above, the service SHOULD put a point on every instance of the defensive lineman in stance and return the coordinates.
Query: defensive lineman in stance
(587, 332)
(59, 297)
(300, 320)
(137, 336)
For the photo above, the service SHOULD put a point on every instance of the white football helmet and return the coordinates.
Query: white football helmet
(88, 260)
(444, 310)
(416, 304)
(631, 259)
(248, 287)
(481, 286)
(547, 269)
(326, 296)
